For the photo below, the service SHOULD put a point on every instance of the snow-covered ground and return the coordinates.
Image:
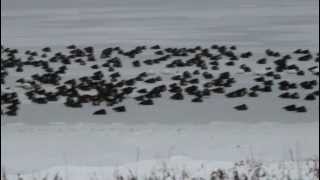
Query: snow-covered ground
(183, 168)
(32, 148)
(72, 141)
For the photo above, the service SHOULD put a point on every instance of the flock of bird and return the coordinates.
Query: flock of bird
(189, 74)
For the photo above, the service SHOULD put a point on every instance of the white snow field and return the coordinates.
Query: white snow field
(88, 149)
(198, 138)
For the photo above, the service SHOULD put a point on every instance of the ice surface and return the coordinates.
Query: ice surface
(253, 24)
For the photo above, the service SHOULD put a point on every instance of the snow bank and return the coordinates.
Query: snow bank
(183, 168)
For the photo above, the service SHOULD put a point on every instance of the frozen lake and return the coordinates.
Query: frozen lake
(253, 24)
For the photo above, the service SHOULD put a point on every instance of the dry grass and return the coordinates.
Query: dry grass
(254, 171)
